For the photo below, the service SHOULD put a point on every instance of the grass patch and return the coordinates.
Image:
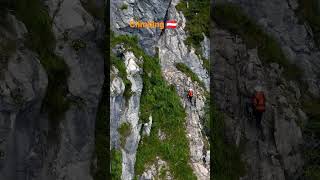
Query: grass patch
(187, 71)
(41, 39)
(197, 14)
(94, 9)
(232, 18)
(227, 160)
(206, 64)
(116, 164)
(309, 11)
(162, 102)
(313, 173)
(124, 131)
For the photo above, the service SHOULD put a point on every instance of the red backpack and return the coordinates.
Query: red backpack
(259, 102)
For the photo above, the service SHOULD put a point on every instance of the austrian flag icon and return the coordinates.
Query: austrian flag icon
(171, 24)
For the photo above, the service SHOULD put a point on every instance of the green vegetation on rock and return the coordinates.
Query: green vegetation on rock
(232, 18)
(227, 160)
(119, 64)
(41, 39)
(124, 131)
(162, 102)
(197, 14)
(187, 71)
(116, 164)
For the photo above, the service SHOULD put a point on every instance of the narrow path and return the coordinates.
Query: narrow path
(199, 154)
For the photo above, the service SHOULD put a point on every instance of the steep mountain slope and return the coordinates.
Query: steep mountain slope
(50, 89)
(263, 43)
(151, 135)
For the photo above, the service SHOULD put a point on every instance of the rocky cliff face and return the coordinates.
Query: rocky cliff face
(29, 151)
(171, 49)
(274, 150)
(237, 71)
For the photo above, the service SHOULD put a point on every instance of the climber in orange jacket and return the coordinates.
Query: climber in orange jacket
(259, 105)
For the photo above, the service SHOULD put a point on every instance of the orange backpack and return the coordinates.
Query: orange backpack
(190, 93)
(259, 102)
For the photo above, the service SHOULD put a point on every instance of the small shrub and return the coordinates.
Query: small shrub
(124, 7)
(78, 44)
(124, 131)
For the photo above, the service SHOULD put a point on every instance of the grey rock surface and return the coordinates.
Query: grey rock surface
(142, 10)
(126, 112)
(131, 115)
(29, 152)
(278, 18)
(75, 150)
(272, 151)
(23, 83)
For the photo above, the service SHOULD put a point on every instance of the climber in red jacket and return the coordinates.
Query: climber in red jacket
(190, 95)
(259, 106)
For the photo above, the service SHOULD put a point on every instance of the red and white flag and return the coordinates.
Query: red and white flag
(171, 24)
